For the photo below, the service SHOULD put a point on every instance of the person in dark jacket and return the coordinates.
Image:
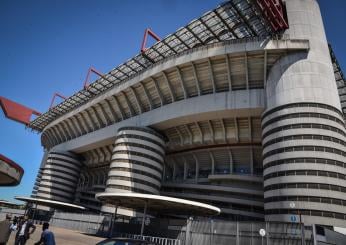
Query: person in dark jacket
(47, 237)
(25, 229)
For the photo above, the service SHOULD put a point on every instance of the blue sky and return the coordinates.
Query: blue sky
(48, 46)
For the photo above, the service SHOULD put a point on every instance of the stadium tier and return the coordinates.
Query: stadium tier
(242, 109)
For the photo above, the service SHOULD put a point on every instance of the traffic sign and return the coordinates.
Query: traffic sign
(262, 232)
(293, 218)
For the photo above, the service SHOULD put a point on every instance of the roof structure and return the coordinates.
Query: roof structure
(10, 172)
(340, 79)
(163, 204)
(234, 19)
(8, 204)
(50, 203)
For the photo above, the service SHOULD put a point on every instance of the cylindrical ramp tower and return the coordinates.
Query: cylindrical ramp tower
(59, 177)
(137, 161)
(303, 131)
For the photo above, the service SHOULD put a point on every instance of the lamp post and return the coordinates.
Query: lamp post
(302, 233)
(144, 216)
(113, 220)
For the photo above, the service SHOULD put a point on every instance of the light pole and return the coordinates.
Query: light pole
(113, 220)
(302, 233)
(34, 212)
(144, 216)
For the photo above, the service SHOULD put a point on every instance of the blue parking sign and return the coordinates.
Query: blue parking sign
(293, 218)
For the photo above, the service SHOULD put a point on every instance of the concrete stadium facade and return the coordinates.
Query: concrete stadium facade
(248, 124)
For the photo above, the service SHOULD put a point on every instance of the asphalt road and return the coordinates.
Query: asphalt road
(62, 236)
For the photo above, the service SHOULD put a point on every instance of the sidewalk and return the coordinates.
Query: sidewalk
(62, 236)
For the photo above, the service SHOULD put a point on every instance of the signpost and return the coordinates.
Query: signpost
(262, 233)
(147, 221)
(294, 219)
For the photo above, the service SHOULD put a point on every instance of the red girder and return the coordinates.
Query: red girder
(54, 96)
(273, 10)
(91, 69)
(16, 111)
(145, 37)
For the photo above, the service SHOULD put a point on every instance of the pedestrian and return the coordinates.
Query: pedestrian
(5, 229)
(14, 225)
(15, 219)
(47, 236)
(25, 229)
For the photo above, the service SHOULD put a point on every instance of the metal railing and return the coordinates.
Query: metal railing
(158, 240)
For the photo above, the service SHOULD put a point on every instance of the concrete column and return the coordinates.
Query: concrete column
(303, 83)
(237, 238)
(39, 174)
(212, 163)
(174, 170)
(196, 168)
(164, 172)
(137, 161)
(60, 174)
(251, 162)
(230, 161)
(185, 169)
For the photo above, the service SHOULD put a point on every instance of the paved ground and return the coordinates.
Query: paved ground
(62, 236)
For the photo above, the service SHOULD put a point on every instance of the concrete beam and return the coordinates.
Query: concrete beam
(196, 78)
(112, 110)
(211, 74)
(128, 103)
(137, 100)
(159, 93)
(146, 93)
(123, 116)
(170, 88)
(105, 115)
(183, 86)
(200, 131)
(229, 74)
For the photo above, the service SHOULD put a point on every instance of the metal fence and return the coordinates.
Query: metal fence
(12, 211)
(218, 232)
(189, 231)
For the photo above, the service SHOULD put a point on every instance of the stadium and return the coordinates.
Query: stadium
(242, 108)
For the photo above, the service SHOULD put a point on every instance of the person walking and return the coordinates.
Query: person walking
(13, 226)
(25, 229)
(47, 236)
